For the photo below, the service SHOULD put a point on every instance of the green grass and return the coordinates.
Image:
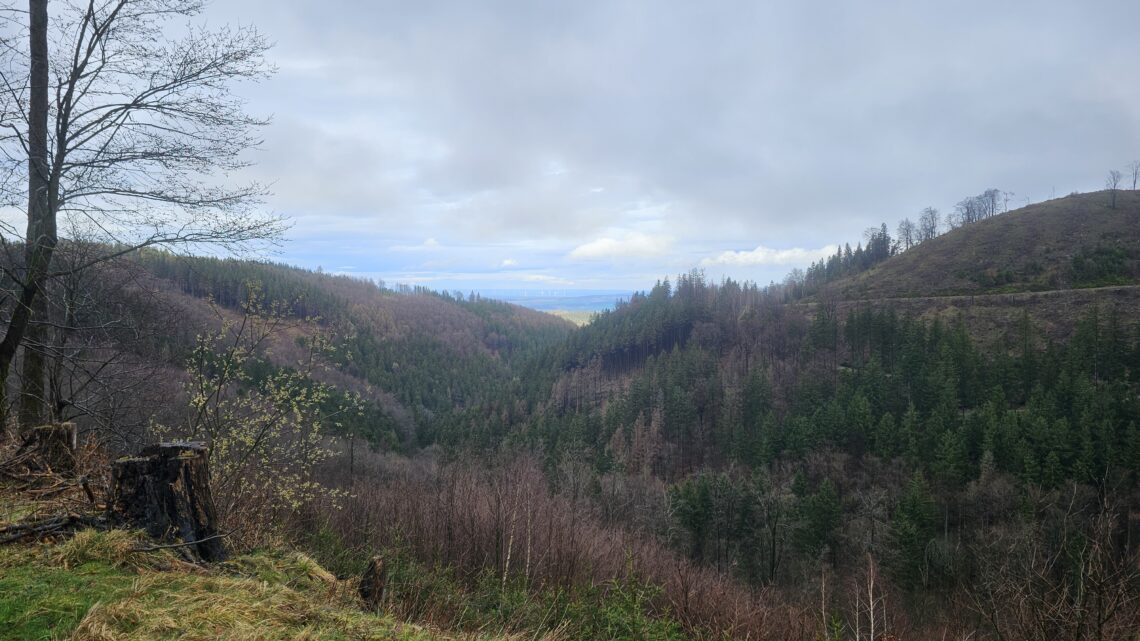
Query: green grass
(618, 610)
(96, 587)
(39, 601)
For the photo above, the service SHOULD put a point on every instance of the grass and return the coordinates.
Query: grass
(95, 587)
(13, 509)
(44, 601)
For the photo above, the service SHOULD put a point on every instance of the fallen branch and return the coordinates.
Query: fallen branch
(51, 491)
(44, 527)
(171, 546)
(18, 458)
(86, 485)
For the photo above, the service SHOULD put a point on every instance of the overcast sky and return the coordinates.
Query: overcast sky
(605, 144)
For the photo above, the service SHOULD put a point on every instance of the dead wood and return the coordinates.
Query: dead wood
(166, 491)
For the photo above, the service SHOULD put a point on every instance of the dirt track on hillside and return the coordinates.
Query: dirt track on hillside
(995, 317)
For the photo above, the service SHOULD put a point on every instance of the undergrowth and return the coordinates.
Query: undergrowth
(97, 586)
(616, 610)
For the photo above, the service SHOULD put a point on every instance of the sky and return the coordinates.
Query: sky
(606, 144)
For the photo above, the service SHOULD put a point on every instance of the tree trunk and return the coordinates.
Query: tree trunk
(54, 446)
(32, 391)
(41, 237)
(166, 491)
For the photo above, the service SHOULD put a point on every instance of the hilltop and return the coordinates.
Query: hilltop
(1073, 242)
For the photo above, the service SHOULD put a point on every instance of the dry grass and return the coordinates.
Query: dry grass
(578, 317)
(1034, 244)
(121, 549)
(99, 586)
(234, 608)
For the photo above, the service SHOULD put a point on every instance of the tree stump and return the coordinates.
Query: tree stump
(372, 584)
(166, 491)
(52, 447)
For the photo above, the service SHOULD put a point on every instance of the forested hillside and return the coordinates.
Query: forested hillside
(957, 452)
(418, 355)
(874, 446)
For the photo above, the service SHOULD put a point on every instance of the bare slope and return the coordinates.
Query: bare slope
(1067, 243)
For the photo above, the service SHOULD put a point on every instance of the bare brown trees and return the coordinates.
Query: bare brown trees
(1076, 582)
(928, 223)
(1112, 184)
(907, 234)
(977, 208)
(1134, 172)
(126, 146)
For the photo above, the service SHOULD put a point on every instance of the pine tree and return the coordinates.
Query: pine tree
(912, 528)
(820, 513)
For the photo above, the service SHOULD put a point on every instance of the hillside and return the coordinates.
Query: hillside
(907, 418)
(414, 355)
(700, 456)
(1071, 242)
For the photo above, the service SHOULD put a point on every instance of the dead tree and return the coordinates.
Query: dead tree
(54, 446)
(46, 450)
(1112, 184)
(166, 491)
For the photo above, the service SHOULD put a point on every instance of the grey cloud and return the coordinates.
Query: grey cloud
(742, 123)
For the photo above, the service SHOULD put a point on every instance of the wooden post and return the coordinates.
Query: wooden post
(166, 491)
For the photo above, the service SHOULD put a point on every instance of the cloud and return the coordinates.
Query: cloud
(547, 125)
(508, 262)
(767, 256)
(429, 244)
(546, 279)
(632, 245)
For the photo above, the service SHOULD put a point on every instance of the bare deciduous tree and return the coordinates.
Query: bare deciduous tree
(928, 222)
(1112, 183)
(1080, 586)
(122, 131)
(1134, 171)
(907, 233)
(977, 208)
